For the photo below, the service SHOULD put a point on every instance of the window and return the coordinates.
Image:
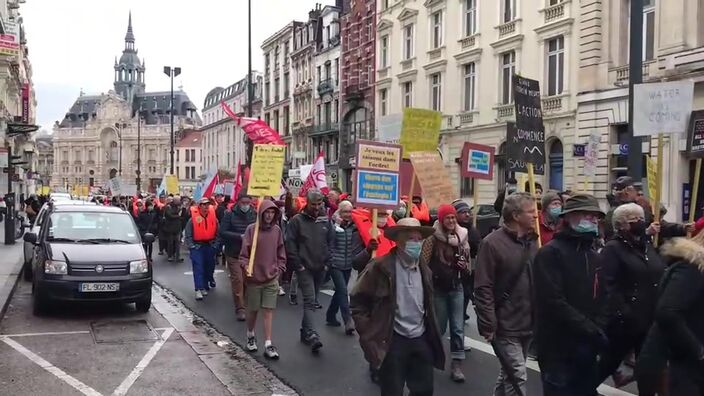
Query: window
(193, 155)
(555, 2)
(193, 172)
(383, 101)
(408, 42)
(466, 187)
(384, 52)
(648, 30)
(508, 69)
(408, 94)
(188, 156)
(436, 24)
(556, 65)
(470, 17)
(508, 9)
(337, 71)
(470, 86)
(436, 91)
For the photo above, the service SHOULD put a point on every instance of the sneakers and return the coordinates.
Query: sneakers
(270, 352)
(199, 295)
(349, 327)
(293, 299)
(311, 338)
(170, 259)
(317, 305)
(204, 292)
(212, 284)
(281, 291)
(252, 344)
(241, 316)
(456, 373)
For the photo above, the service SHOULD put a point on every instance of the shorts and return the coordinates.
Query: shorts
(262, 296)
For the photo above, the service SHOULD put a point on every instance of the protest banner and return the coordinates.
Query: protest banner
(115, 186)
(433, 178)
(172, 184)
(695, 149)
(477, 163)
(420, 130)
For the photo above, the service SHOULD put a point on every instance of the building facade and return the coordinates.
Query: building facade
(189, 160)
(358, 67)
(223, 142)
(101, 135)
(459, 57)
(278, 91)
(325, 136)
(45, 160)
(673, 38)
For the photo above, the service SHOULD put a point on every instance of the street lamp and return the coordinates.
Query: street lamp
(119, 127)
(139, 150)
(172, 72)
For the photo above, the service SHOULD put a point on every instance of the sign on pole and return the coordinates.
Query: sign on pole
(527, 144)
(652, 177)
(591, 154)
(477, 161)
(267, 169)
(377, 179)
(695, 138)
(172, 184)
(389, 128)
(662, 107)
(420, 130)
(515, 149)
(433, 178)
(115, 185)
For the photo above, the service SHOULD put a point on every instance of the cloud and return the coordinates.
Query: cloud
(73, 44)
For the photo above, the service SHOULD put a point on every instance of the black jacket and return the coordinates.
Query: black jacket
(172, 219)
(220, 211)
(148, 221)
(570, 297)
(631, 274)
(309, 242)
(475, 239)
(232, 228)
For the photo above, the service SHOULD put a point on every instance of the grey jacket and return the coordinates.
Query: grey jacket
(346, 247)
(309, 242)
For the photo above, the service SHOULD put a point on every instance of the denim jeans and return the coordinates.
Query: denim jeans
(573, 374)
(340, 300)
(203, 263)
(449, 307)
(309, 282)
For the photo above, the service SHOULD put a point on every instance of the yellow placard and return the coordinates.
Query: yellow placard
(420, 130)
(652, 178)
(378, 157)
(267, 170)
(433, 177)
(172, 184)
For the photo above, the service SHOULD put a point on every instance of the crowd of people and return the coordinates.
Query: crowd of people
(585, 292)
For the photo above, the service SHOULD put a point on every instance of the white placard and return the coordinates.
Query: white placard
(591, 153)
(662, 107)
(389, 128)
(115, 186)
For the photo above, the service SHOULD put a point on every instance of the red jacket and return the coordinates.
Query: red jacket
(699, 225)
(547, 232)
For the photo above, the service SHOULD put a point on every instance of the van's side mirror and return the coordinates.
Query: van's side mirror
(30, 237)
(149, 238)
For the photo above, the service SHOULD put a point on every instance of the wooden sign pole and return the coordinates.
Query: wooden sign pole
(658, 188)
(475, 209)
(253, 252)
(695, 192)
(374, 230)
(409, 204)
(531, 184)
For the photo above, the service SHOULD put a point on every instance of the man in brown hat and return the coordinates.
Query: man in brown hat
(392, 306)
(570, 302)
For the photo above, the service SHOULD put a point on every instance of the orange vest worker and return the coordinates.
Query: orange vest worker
(421, 213)
(362, 218)
(205, 229)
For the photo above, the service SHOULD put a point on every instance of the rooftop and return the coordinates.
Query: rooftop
(190, 138)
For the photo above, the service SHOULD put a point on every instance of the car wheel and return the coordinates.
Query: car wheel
(27, 271)
(144, 304)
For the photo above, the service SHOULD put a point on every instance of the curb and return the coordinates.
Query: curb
(12, 279)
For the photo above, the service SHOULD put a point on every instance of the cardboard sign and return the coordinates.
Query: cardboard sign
(420, 130)
(389, 128)
(378, 156)
(377, 179)
(529, 137)
(695, 138)
(514, 152)
(591, 154)
(267, 170)
(115, 186)
(478, 161)
(433, 177)
(662, 107)
(172, 184)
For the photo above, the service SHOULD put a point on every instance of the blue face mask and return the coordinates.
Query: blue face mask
(555, 212)
(586, 227)
(413, 249)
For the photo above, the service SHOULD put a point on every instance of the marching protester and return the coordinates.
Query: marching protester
(200, 235)
(147, 222)
(381, 244)
(447, 254)
(571, 302)
(262, 287)
(159, 206)
(232, 228)
(172, 229)
(503, 291)
(348, 245)
(464, 219)
(632, 270)
(392, 306)
(309, 240)
(549, 216)
(420, 210)
(332, 200)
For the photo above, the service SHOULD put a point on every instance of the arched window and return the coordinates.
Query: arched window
(555, 159)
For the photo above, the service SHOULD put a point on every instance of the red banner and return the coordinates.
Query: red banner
(257, 130)
(25, 103)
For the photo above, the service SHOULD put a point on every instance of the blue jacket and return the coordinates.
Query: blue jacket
(347, 245)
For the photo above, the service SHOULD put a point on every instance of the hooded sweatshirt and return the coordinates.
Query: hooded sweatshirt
(270, 257)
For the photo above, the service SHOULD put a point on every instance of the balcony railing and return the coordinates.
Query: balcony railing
(553, 104)
(326, 126)
(467, 118)
(407, 64)
(468, 42)
(434, 54)
(504, 111)
(507, 29)
(354, 92)
(326, 86)
(620, 75)
(554, 13)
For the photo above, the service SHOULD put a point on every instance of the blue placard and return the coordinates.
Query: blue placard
(377, 189)
(579, 150)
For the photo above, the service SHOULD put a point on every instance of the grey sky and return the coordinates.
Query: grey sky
(73, 43)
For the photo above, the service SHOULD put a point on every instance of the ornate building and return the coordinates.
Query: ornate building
(120, 133)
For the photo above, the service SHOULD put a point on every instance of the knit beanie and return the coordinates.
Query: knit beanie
(548, 197)
(446, 210)
(461, 206)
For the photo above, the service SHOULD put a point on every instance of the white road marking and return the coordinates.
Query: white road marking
(60, 374)
(328, 292)
(533, 365)
(217, 271)
(51, 333)
(137, 371)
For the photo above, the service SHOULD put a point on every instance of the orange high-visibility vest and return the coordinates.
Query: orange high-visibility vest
(362, 218)
(205, 229)
(421, 213)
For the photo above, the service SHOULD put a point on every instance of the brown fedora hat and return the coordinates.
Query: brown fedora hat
(407, 224)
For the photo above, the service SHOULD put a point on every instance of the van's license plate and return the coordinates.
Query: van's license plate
(99, 287)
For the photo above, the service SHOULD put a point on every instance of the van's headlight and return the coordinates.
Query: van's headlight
(55, 267)
(139, 267)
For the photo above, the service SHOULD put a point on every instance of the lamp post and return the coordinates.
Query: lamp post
(139, 151)
(249, 145)
(172, 72)
(119, 127)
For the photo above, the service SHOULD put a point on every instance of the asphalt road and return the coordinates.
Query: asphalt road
(340, 368)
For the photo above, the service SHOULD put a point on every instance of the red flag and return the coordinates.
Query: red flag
(209, 190)
(237, 185)
(257, 130)
(316, 178)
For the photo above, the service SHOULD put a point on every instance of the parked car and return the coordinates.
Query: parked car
(29, 247)
(89, 253)
(487, 219)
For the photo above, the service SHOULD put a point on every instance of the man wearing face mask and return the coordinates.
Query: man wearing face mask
(392, 306)
(570, 300)
(232, 228)
(549, 216)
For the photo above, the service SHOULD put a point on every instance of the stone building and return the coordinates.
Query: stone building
(44, 165)
(189, 160)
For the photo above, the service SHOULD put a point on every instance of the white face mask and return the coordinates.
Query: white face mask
(381, 222)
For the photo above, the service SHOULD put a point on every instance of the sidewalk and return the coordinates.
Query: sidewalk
(11, 257)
